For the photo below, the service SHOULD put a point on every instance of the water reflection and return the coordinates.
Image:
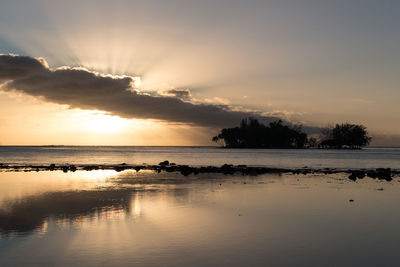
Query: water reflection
(30, 213)
(119, 194)
(137, 219)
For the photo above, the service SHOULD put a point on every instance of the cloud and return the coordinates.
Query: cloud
(84, 89)
(17, 67)
(183, 94)
(217, 100)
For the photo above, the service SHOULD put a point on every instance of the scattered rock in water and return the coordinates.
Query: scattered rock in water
(227, 169)
(170, 169)
(185, 170)
(91, 167)
(119, 168)
(356, 175)
(52, 167)
(380, 173)
(72, 168)
(164, 163)
(360, 174)
(372, 174)
(384, 174)
(353, 177)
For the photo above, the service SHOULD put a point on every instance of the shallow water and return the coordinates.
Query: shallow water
(204, 156)
(137, 219)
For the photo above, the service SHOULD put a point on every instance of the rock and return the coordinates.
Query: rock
(384, 174)
(72, 168)
(164, 163)
(356, 174)
(170, 169)
(90, 167)
(226, 167)
(360, 175)
(119, 168)
(185, 170)
(372, 174)
(353, 177)
(351, 200)
(52, 167)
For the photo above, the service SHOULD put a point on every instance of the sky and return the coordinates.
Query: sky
(175, 72)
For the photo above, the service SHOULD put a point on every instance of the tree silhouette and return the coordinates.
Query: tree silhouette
(345, 135)
(253, 134)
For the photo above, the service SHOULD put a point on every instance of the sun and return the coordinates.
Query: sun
(99, 122)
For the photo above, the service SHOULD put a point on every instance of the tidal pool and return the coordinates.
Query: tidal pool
(104, 218)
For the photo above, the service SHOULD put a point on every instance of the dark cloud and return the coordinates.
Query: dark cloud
(178, 93)
(84, 89)
(16, 67)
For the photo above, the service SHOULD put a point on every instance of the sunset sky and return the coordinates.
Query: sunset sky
(175, 72)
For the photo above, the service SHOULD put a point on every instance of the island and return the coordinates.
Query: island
(253, 134)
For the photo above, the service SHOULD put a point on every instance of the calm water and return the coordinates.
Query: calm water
(104, 218)
(196, 156)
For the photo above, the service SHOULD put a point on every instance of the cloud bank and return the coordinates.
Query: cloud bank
(84, 89)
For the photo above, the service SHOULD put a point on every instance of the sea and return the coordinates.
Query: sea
(203, 156)
(145, 218)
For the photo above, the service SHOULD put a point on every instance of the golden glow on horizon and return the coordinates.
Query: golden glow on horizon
(102, 123)
(30, 121)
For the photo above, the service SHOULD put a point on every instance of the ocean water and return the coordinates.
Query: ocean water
(129, 218)
(204, 156)
(104, 218)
